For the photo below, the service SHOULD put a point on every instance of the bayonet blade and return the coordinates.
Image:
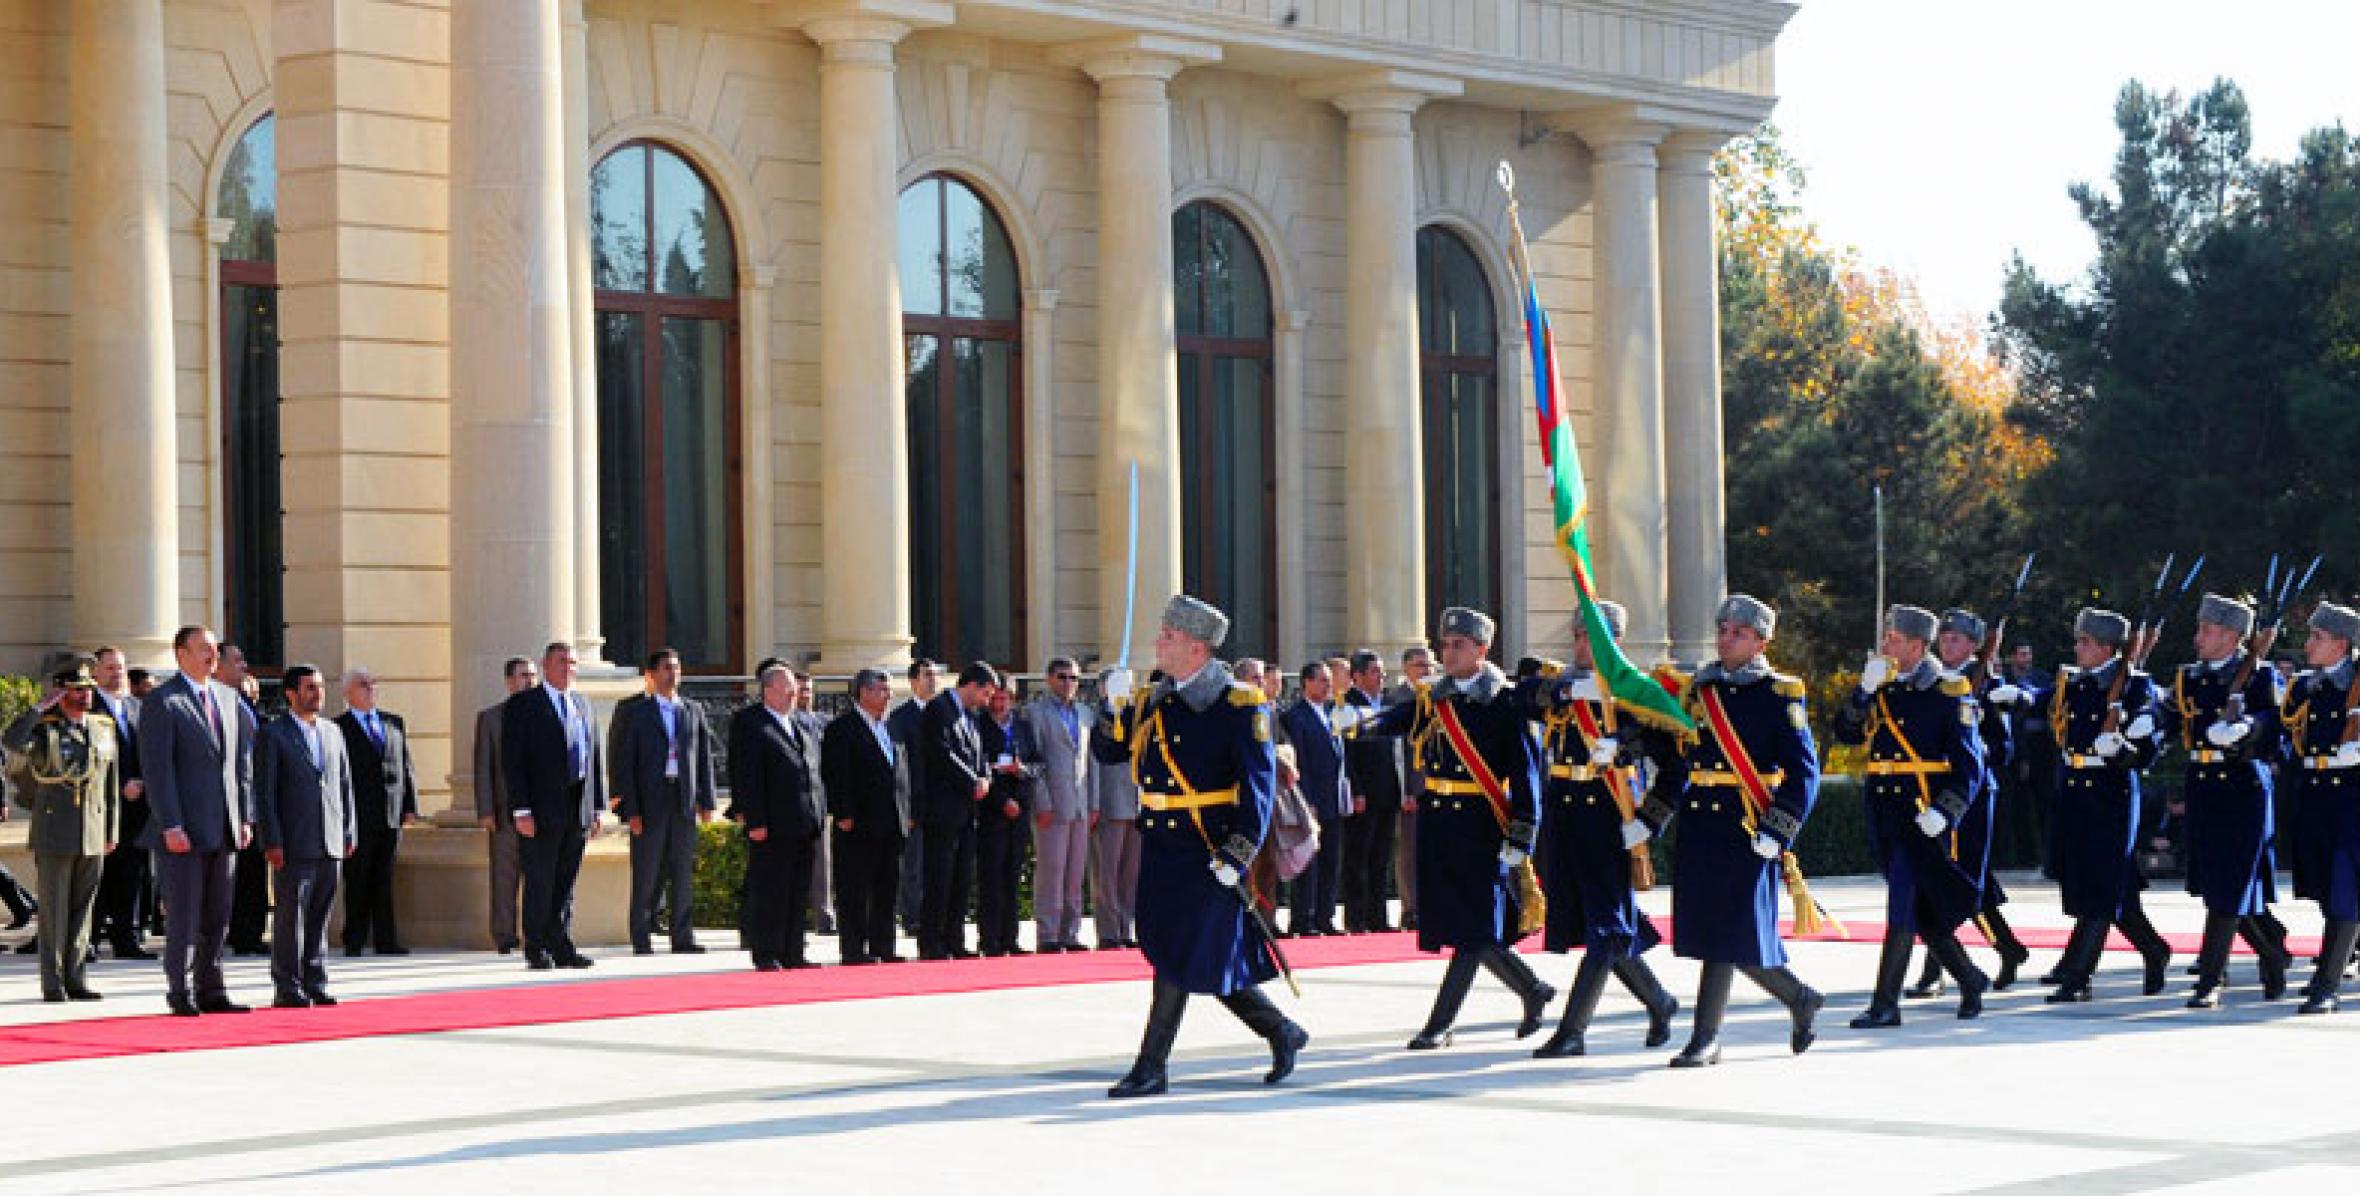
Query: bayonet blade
(2023, 574)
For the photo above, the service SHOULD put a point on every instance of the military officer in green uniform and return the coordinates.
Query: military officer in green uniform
(67, 772)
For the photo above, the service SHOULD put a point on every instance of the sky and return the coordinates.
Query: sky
(1938, 138)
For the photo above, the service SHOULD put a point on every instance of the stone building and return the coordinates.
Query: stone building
(414, 333)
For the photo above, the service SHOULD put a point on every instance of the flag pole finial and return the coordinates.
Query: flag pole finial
(1507, 177)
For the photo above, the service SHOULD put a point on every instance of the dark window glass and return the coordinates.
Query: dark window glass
(1458, 356)
(1221, 299)
(670, 464)
(253, 579)
(961, 314)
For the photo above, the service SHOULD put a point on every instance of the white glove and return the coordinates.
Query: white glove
(1117, 685)
(1931, 822)
(1512, 855)
(2347, 755)
(2004, 695)
(1349, 716)
(1585, 689)
(1767, 847)
(1226, 873)
(2223, 734)
(1874, 673)
(2142, 727)
(1603, 749)
(2110, 744)
(1634, 833)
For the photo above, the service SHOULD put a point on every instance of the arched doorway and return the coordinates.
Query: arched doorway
(1458, 358)
(253, 605)
(1228, 450)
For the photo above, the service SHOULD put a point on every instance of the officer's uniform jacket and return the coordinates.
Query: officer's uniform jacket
(2319, 706)
(69, 775)
(1922, 731)
(2096, 820)
(1207, 775)
(1724, 896)
(1584, 868)
(2229, 821)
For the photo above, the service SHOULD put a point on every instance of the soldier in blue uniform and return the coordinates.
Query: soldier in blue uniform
(2323, 717)
(1727, 859)
(1470, 735)
(1961, 633)
(2224, 711)
(1586, 840)
(2102, 714)
(1923, 785)
(1199, 744)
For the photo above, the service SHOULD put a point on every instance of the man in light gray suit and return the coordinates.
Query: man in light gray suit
(196, 749)
(1114, 846)
(306, 818)
(492, 811)
(1065, 808)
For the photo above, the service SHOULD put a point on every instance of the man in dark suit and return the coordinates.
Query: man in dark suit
(662, 761)
(307, 815)
(198, 757)
(385, 790)
(1001, 834)
(1319, 769)
(249, 903)
(925, 678)
(1372, 766)
(123, 886)
(549, 753)
(774, 791)
(492, 810)
(957, 782)
(869, 803)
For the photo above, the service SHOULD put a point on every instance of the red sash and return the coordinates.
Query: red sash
(1485, 778)
(1593, 731)
(1749, 778)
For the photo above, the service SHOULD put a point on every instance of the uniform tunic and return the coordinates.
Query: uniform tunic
(2230, 821)
(1724, 896)
(1584, 867)
(2097, 815)
(1465, 896)
(1981, 826)
(69, 776)
(1925, 750)
(2327, 798)
(1206, 740)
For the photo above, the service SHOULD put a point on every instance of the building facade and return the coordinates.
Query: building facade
(416, 333)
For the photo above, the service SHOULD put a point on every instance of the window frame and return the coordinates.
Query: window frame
(1209, 352)
(1435, 371)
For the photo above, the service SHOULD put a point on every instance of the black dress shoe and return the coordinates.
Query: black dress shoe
(354, 952)
(766, 965)
(76, 992)
(289, 1001)
(1805, 1019)
(687, 949)
(800, 965)
(1015, 950)
(2157, 967)
(1430, 1042)
(889, 957)
(2206, 996)
(1289, 1042)
(396, 949)
(219, 1005)
(1698, 1054)
(55, 996)
(321, 1000)
(1659, 1021)
(505, 947)
(993, 953)
(642, 949)
(962, 953)
(2009, 961)
(576, 960)
(1536, 1008)
(1970, 1000)
(1927, 989)
(1564, 1044)
(855, 961)
(539, 963)
(1878, 1017)
(933, 956)
(2320, 1003)
(1142, 1081)
(2073, 993)
(1052, 949)
(2052, 977)
(181, 1006)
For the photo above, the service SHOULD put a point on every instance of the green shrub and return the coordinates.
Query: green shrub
(1834, 841)
(720, 874)
(17, 695)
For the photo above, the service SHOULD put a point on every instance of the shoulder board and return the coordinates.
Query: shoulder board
(100, 720)
(1788, 687)
(1242, 694)
(1551, 669)
(1956, 686)
(1671, 678)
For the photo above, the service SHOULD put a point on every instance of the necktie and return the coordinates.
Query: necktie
(213, 717)
(376, 731)
(577, 749)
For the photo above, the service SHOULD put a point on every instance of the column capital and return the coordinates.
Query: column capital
(1151, 57)
(861, 30)
(1622, 135)
(1690, 150)
(216, 230)
(1380, 98)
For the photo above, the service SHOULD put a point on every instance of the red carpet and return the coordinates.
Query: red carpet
(600, 1000)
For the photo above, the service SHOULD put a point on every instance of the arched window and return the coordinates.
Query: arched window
(1228, 465)
(960, 324)
(1459, 379)
(254, 591)
(669, 457)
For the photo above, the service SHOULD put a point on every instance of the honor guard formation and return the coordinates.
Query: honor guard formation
(1542, 793)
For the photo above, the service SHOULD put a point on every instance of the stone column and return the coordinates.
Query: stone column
(1629, 373)
(1697, 546)
(124, 469)
(1040, 475)
(581, 289)
(512, 364)
(1138, 396)
(864, 429)
(1385, 539)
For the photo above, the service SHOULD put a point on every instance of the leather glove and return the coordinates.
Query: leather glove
(1768, 847)
(2110, 744)
(1118, 685)
(2142, 727)
(1512, 855)
(1931, 823)
(1634, 833)
(2224, 734)
(1603, 750)
(2004, 694)
(2347, 755)
(1875, 672)
(1226, 873)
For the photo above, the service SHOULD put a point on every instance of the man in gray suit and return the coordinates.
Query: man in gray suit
(1065, 808)
(492, 811)
(1114, 845)
(196, 751)
(662, 773)
(308, 822)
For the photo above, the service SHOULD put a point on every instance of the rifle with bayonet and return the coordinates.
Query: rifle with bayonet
(2266, 626)
(1996, 634)
(2148, 630)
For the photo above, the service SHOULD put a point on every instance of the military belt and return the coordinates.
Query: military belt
(2077, 760)
(1907, 768)
(2322, 764)
(1723, 778)
(1446, 787)
(1574, 772)
(1188, 801)
(2207, 756)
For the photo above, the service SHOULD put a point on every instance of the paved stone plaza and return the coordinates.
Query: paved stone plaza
(1001, 1091)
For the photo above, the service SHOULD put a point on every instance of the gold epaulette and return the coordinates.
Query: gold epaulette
(1788, 687)
(1956, 686)
(1551, 669)
(1243, 694)
(1671, 678)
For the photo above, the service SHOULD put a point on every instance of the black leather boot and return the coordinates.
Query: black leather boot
(2212, 962)
(1525, 983)
(1884, 1003)
(1929, 982)
(1801, 1000)
(1286, 1039)
(1147, 1076)
(2079, 962)
(2267, 936)
(2013, 954)
(1661, 1004)
(20, 903)
(1457, 978)
(1972, 983)
(2153, 951)
(1712, 1000)
(1589, 984)
(2327, 980)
